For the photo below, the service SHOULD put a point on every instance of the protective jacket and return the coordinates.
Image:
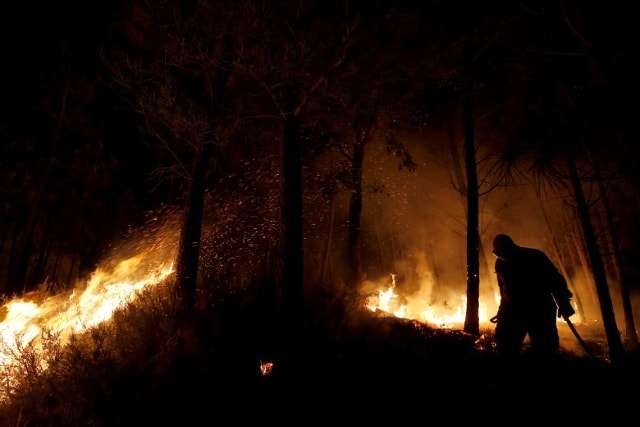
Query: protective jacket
(532, 291)
(529, 281)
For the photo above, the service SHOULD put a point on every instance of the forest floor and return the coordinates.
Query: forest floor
(369, 368)
(382, 369)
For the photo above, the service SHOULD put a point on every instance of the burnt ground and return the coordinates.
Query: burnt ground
(381, 369)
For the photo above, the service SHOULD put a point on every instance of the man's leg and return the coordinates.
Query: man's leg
(545, 341)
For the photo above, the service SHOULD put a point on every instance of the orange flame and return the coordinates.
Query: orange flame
(74, 311)
(266, 368)
(417, 308)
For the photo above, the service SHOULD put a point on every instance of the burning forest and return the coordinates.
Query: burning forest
(293, 204)
(129, 298)
(115, 336)
(112, 346)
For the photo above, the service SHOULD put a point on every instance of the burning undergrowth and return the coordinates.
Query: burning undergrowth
(428, 302)
(141, 367)
(111, 353)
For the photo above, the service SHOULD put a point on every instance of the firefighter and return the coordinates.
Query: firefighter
(532, 293)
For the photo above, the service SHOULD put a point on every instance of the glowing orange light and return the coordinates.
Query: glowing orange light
(418, 308)
(74, 311)
(266, 367)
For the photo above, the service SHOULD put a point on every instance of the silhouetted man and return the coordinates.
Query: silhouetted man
(532, 292)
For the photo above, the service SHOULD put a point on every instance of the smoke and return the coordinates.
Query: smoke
(415, 228)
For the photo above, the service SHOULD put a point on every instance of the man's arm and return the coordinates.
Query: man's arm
(560, 290)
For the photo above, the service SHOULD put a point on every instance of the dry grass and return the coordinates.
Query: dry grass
(144, 368)
(93, 378)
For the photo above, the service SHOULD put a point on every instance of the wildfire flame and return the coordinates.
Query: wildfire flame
(75, 311)
(28, 319)
(388, 301)
(443, 316)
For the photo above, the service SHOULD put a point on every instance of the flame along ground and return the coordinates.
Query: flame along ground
(444, 315)
(26, 320)
(29, 317)
(452, 316)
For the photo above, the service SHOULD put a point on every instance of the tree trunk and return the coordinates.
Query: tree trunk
(432, 258)
(616, 349)
(355, 212)
(292, 286)
(630, 327)
(25, 246)
(39, 272)
(190, 235)
(562, 264)
(363, 135)
(324, 277)
(579, 259)
(55, 269)
(582, 289)
(461, 186)
(382, 258)
(471, 320)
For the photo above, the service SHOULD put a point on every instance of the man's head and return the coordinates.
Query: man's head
(503, 245)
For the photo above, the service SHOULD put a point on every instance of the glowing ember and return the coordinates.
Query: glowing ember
(266, 367)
